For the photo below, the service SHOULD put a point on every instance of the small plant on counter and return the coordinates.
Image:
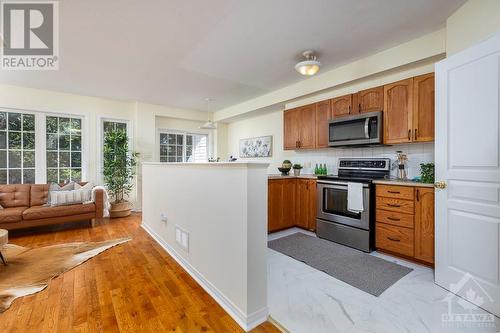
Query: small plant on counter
(427, 173)
(297, 166)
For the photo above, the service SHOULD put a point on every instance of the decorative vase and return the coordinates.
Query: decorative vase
(296, 172)
(121, 209)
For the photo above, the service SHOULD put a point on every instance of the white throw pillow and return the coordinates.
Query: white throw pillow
(80, 195)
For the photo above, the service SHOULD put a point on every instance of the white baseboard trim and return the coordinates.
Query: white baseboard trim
(247, 322)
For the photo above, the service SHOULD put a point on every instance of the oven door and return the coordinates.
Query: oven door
(332, 205)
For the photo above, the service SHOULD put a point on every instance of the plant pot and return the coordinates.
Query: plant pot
(121, 209)
(296, 172)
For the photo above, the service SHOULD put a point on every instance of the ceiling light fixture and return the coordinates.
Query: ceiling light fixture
(209, 124)
(310, 66)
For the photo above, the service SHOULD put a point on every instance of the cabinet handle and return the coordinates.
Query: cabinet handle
(394, 192)
(393, 218)
(359, 107)
(418, 195)
(394, 239)
(416, 133)
(349, 109)
(393, 205)
(409, 135)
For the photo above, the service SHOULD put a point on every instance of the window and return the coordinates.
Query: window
(64, 149)
(183, 147)
(108, 125)
(17, 148)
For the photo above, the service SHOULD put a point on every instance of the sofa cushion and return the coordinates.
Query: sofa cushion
(14, 214)
(43, 212)
(15, 195)
(39, 194)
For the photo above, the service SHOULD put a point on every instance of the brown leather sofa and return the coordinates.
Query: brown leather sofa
(24, 207)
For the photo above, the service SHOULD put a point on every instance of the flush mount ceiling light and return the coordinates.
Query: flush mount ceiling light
(209, 124)
(310, 66)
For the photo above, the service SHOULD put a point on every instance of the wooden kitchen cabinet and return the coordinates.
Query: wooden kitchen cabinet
(398, 112)
(341, 106)
(405, 221)
(299, 128)
(281, 204)
(423, 108)
(424, 224)
(305, 205)
(370, 100)
(323, 116)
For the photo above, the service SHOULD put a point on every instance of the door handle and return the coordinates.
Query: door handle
(409, 135)
(416, 133)
(359, 107)
(394, 239)
(440, 185)
(349, 109)
(418, 194)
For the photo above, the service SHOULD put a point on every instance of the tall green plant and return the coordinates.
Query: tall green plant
(119, 165)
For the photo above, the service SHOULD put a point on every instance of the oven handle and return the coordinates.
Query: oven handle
(336, 185)
(367, 124)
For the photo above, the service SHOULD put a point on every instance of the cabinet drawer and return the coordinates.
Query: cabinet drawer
(394, 218)
(397, 192)
(395, 205)
(394, 239)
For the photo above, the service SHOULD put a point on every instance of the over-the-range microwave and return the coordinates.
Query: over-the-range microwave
(359, 130)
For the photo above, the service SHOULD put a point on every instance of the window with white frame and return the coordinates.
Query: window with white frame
(183, 147)
(17, 148)
(112, 125)
(64, 149)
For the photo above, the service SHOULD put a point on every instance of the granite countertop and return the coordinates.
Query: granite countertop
(401, 183)
(291, 176)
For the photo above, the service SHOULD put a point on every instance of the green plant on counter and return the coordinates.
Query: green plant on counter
(427, 173)
(297, 167)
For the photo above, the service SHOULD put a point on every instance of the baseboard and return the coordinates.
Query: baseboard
(247, 322)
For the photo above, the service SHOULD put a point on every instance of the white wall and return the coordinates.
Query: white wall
(472, 23)
(223, 207)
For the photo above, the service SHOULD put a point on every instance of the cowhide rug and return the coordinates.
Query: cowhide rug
(28, 271)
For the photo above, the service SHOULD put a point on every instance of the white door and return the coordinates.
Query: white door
(468, 161)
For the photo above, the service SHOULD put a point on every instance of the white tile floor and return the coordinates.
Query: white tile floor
(305, 300)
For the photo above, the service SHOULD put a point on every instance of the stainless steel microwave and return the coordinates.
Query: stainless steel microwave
(360, 130)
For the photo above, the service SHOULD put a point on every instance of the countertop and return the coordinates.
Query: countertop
(291, 176)
(401, 183)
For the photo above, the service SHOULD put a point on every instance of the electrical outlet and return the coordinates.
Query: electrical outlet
(163, 217)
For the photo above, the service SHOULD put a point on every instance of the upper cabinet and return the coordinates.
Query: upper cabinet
(342, 106)
(423, 108)
(323, 116)
(398, 112)
(370, 100)
(299, 126)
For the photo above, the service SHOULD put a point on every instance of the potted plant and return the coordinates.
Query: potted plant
(119, 170)
(427, 173)
(296, 169)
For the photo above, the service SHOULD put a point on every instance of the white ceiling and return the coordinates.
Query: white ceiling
(177, 53)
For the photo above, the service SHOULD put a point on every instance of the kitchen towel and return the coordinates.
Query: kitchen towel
(355, 197)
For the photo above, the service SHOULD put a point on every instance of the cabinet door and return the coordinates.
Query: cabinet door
(302, 204)
(323, 115)
(341, 106)
(370, 100)
(291, 129)
(274, 204)
(423, 108)
(312, 204)
(424, 224)
(398, 111)
(307, 126)
(289, 193)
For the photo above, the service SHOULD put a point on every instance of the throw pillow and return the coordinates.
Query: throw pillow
(63, 198)
(55, 187)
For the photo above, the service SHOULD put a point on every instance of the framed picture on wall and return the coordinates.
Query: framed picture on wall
(261, 146)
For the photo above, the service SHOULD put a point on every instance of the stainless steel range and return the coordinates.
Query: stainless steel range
(334, 221)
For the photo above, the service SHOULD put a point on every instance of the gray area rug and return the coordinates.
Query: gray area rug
(361, 270)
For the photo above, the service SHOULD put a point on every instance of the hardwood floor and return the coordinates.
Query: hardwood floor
(134, 287)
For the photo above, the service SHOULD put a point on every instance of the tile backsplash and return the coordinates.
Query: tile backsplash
(417, 153)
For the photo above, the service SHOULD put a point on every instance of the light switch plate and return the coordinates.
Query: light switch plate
(182, 238)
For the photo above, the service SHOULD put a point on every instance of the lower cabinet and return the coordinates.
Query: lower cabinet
(291, 202)
(405, 221)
